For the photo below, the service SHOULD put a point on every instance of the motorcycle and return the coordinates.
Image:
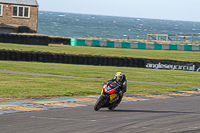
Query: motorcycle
(108, 97)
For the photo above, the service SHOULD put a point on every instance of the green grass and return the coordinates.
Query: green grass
(30, 86)
(136, 53)
(107, 72)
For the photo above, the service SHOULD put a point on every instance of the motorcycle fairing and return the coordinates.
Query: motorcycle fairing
(110, 88)
(113, 98)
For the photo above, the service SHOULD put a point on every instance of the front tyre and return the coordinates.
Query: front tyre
(113, 106)
(99, 103)
(116, 103)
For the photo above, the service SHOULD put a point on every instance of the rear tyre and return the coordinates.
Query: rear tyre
(99, 103)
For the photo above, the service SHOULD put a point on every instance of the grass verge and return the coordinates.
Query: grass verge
(107, 72)
(103, 51)
(30, 86)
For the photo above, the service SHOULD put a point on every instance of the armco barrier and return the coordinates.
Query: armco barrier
(98, 60)
(134, 45)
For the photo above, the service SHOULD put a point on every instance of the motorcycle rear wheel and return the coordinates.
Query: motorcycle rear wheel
(99, 103)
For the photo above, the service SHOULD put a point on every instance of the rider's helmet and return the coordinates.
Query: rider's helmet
(119, 76)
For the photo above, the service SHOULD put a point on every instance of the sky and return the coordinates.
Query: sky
(185, 10)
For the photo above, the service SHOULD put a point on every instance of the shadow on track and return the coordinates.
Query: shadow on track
(146, 111)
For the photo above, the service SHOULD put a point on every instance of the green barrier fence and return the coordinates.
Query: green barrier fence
(134, 45)
(141, 45)
(73, 42)
(81, 42)
(126, 45)
(188, 48)
(95, 43)
(157, 46)
(110, 44)
(172, 46)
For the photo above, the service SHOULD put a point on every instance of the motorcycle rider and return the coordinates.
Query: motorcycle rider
(120, 79)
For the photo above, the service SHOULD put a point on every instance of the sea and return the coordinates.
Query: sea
(99, 26)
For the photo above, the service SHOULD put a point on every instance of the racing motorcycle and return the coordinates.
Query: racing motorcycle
(108, 96)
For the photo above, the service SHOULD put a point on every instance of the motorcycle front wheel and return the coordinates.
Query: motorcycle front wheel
(113, 106)
(99, 103)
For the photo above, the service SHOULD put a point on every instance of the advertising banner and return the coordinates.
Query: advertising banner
(172, 65)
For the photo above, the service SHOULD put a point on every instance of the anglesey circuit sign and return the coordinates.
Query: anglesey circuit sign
(173, 66)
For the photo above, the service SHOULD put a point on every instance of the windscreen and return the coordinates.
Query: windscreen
(111, 86)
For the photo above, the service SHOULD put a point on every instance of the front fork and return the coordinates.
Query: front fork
(102, 93)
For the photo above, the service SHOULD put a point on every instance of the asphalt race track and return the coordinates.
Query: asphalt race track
(170, 112)
(177, 115)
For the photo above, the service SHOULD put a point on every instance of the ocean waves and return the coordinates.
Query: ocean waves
(83, 25)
